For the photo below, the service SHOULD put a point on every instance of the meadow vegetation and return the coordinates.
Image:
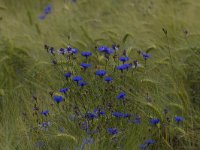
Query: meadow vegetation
(164, 83)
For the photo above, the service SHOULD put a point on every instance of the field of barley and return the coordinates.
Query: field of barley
(99, 75)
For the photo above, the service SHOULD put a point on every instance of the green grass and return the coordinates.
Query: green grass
(25, 68)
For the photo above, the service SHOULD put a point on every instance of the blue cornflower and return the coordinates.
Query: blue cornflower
(126, 115)
(148, 142)
(99, 112)
(118, 114)
(123, 59)
(112, 131)
(90, 116)
(42, 16)
(108, 79)
(45, 124)
(62, 51)
(85, 66)
(48, 9)
(115, 47)
(102, 48)
(109, 51)
(67, 75)
(52, 51)
(178, 119)
(82, 83)
(86, 54)
(64, 90)
(154, 121)
(105, 49)
(126, 66)
(74, 51)
(121, 95)
(45, 112)
(58, 99)
(145, 55)
(137, 120)
(77, 78)
(69, 48)
(123, 67)
(100, 73)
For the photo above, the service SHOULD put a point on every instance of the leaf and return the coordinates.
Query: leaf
(3, 7)
(67, 135)
(126, 37)
(86, 34)
(150, 49)
(29, 17)
(2, 93)
(155, 109)
(81, 44)
(176, 106)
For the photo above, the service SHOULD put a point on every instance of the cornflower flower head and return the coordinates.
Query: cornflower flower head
(102, 48)
(58, 99)
(77, 79)
(112, 131)
(121, 95)
(42, 16)
(86, 54)
(44, 124)
(101, 73)
(99, 112)
(108, 79)
(48, 9)
(146, 143)
(137, 120)
(178, 119)
(62, 51)
(150, 141)
(118, 114)
(123, 67)
(64, 90)
(154, 121)
(51, 51)
(82, 83)
(67, 75)
(109, 51)
(115, 47)
(105, 49)
(85, 65)
(123, 59)
(90, 116)
(145, 55)
(45, 112)
(72, 50)
(126, 115)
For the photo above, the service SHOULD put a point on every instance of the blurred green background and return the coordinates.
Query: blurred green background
(25, 68)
